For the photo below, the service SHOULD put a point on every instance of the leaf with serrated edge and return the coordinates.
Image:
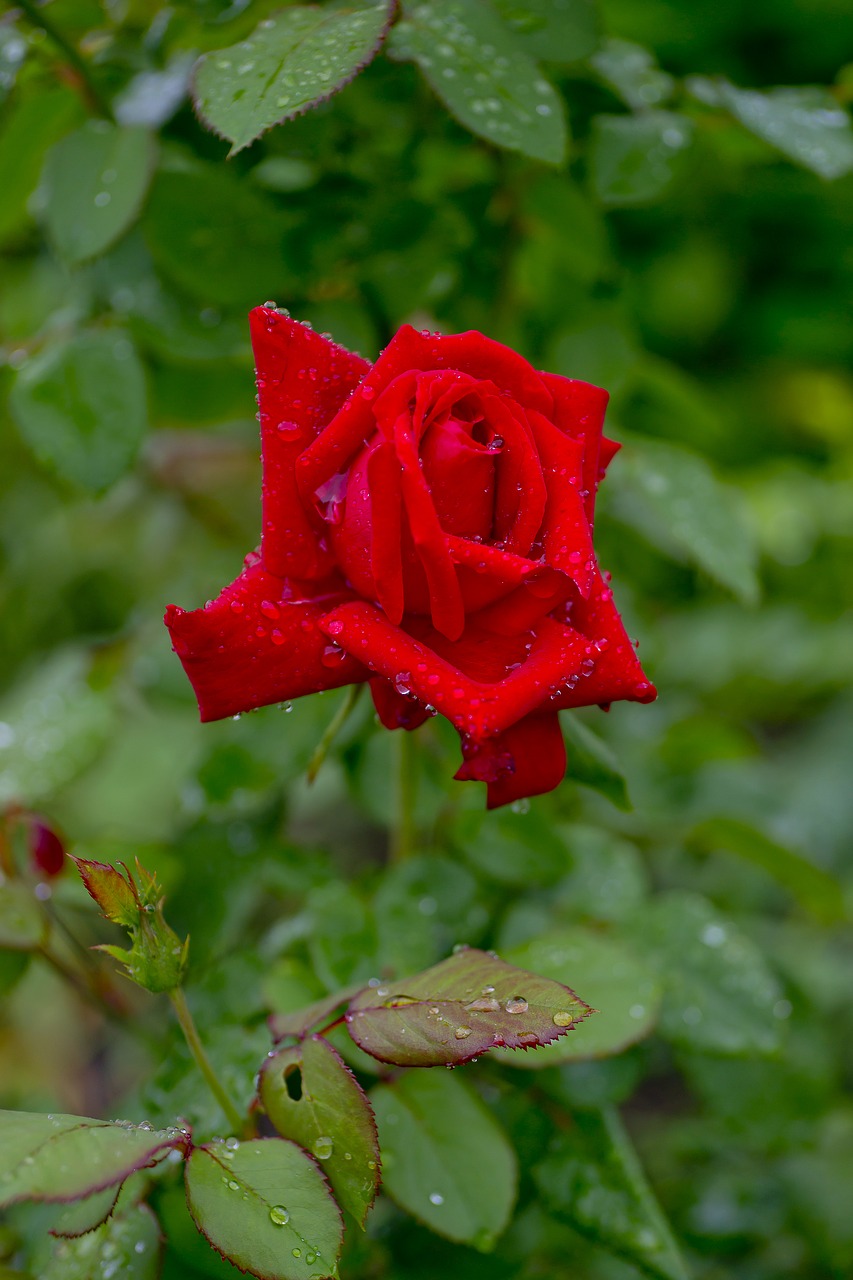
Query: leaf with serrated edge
(82, 1216)
(128, 1247)
(458, 1009)
(445, 1159)
(291, 62)
(265, 1206)
(302, 1021)
(60, 1157)
(626, 993)
(332, 1118)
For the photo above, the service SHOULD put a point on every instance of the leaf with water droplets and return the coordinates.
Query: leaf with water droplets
(590, 761)
(311, 1096)
(94, 182)
(556, 30)
(482, 76)
(291, 62)
(635, 158)
(265, 1206)
(625, 992)
(458, 1009)
(82, 1216)
(632, 73)
(445, 1159)
(592, 1179)
(313, 1015)
(127, 1246)
(61, 1157)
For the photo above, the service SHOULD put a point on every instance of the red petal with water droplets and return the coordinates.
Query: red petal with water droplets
(579, 409)
(396, 710)
(527, 759)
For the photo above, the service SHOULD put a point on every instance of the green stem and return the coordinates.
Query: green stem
(199, 1053)
(403, 833)
(71, 55)
(332, 730)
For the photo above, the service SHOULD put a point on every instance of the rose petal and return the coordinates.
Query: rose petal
(303, 379)
(527, 759)
(565, 534)
(250, 647)
(611, 670)
(579, 409)
(396, 710)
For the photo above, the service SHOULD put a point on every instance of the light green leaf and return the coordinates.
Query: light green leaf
(81, 1216)
(591, 762)
(555, 30)
(22, 921)
(632, 72)
(719, 994)
(635, 158)
(81, 407)
(481, 76)
(445, 1160)
(311, 1096)
(127, 1247)
(593, 1180)
(93, 184)
(291, 62)
(672, 497)
(613, 979)
(33, 125)
(266, 1207)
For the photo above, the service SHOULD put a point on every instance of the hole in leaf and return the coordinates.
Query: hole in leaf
(293, 1081)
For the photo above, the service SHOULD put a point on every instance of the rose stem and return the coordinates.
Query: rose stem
(332, 730)
(403, 831)
(199, 1053)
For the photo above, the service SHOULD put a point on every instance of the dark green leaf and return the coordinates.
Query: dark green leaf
(266, 1207)
(635, 158)
(481, 75)
(444, 1158)
(311, 1096)
(555, 30)
(512, 848)
(291, 62)
(127, 1247)
(81, 407)
(675, 500)
(34, 124)
(632, 72)
(458, 1009)
(623, 990)
(60, 1157)
(593, 1180)
(93, 184)
(590, 761)
(22, 921)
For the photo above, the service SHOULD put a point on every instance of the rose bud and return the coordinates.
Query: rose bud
(47, 851)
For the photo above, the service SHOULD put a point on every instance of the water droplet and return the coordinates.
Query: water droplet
(462, 1033)
(562, 1018)
(516, 1004)
(102, 198)
(483, 1004)
(297, 1253)
(323, 1148)
(520, 806)
(436, 1198)
(233, 1186)
(279, 1215)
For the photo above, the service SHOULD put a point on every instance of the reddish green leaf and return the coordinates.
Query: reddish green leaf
(112, 892)
(312, 1097)
(304, 1020)
(265, 1206)
(458, 1009)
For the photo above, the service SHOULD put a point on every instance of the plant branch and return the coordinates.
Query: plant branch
(403, 832)
(72, 56)
(205, 1066)
(332, 730)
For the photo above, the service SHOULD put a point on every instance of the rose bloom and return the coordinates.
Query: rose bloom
(427, 527)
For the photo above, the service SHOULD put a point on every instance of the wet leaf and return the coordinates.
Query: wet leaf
(81, 407)
(61, 1157)
(591, 762)
(592, 1179)
(313, 1015)
(127, 1247)
(635, 158)
(265, 1206)
(445, 1160)
(29, 129)
(482, 76)
(94, 182)
(112, 892)
(624, 991)
(311, 1096)
(557, 32)
(458, 1009)
(22, 921)
(81, 1216)
(632, 72)
(292, 61)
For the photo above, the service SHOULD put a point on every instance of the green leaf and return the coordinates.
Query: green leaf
(93, 184)
(632, 72)
(593, 1180)
(635, 158)
(445, 1159)
(512, 848)
(623, 990)
(32, 126)
(805, 123)
(674, 499)
(265, 1206)
(482, 77)
(60, 1157)
(291, 62)
(82, 1216)
(22, 921)
(591, 762)
(128, 1247)
(311, 1096)
(813, 888)
(81, 407)
(13, 966)
(719, 994)
(555, 30)
(458, 1009)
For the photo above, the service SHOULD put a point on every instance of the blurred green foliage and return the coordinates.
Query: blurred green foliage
(691, 254)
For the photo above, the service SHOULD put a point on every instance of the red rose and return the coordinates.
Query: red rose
(427, 526)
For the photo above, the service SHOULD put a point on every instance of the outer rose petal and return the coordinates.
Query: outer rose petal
(612, 670)
(249, 647)
(530, 758)
(395, 710)
(579, 411)
(303, 379)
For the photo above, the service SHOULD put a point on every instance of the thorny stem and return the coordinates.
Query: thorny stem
(332, 730)
(37, 17)
(403, 831)
(199, 1053)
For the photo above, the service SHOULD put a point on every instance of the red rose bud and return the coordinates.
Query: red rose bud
(47, 852)
(427, 526)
